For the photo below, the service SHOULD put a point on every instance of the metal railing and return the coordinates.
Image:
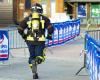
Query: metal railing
(92, 46)
(15, 39)
(95, 34)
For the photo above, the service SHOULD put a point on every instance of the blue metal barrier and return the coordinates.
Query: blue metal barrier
(4, 45)
(93, 54)
(64, 31)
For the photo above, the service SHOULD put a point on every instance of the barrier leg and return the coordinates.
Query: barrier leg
(84, 65)
(50, 50)
(81, 35)
(4, 63)
(10, 54)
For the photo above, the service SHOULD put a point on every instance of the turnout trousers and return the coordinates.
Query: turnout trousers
(36, 51)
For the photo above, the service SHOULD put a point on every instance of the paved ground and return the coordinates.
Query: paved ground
(61, 64)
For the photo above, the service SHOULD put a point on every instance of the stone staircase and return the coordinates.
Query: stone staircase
(6, 15)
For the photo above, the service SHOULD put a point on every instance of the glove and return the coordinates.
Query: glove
(50, 29)
(49, 36)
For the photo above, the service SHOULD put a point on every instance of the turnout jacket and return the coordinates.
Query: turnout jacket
(29, 37)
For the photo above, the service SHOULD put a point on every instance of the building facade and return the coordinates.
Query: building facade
(86, 10)
(16, 10)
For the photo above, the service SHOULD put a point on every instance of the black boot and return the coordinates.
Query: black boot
(35, 76)
(34, 70)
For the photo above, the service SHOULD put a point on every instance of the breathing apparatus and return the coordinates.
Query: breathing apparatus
(36, 23)
(36, 10)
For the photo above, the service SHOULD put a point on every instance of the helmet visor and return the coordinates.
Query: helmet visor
(37, 9)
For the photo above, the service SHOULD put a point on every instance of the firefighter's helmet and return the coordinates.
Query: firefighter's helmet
(37, 8)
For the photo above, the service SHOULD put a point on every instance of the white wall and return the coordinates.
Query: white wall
(57, 17)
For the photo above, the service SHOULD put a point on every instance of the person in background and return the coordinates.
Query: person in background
(32, 29)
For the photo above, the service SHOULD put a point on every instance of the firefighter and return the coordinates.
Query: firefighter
(32, 29)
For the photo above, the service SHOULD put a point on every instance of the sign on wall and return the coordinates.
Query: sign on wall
(27, 4)
(95, 10)
(81, 10)
(4, 47)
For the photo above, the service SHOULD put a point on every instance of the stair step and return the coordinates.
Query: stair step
(10, 21)
(6, 15)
